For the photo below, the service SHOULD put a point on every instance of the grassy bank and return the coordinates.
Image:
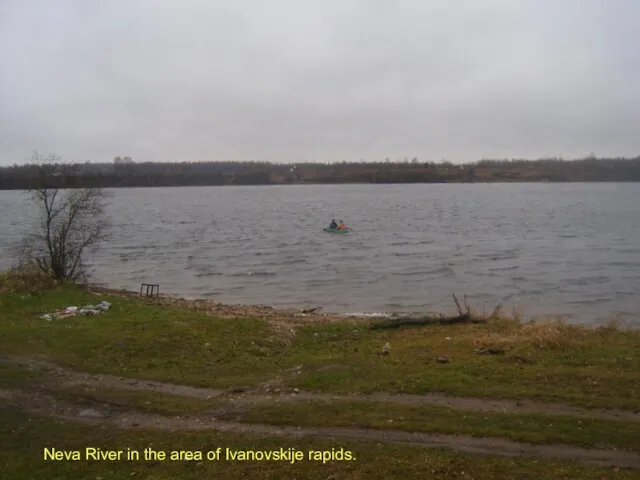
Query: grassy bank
(256, 358)
(550, 362)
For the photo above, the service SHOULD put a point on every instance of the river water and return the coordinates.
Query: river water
(547, 249)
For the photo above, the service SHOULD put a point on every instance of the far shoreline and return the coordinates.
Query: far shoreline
(316, 184)
(128, 173)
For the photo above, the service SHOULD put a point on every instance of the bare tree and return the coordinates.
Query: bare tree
(70, 221)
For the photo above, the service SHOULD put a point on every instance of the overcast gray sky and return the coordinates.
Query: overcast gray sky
(318, 80)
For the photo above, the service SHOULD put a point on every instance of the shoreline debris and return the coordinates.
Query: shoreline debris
(87, 310)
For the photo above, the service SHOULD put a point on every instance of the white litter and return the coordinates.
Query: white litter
(73, 311)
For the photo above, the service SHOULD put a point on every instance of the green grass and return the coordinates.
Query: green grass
(136, 339)
(596, 368)
(603, 369)
(22, 440)
(529, 428)
(139, 339)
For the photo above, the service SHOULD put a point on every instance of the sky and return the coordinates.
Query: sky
(318, 80)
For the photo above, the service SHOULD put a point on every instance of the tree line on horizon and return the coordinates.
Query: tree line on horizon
(127, 173)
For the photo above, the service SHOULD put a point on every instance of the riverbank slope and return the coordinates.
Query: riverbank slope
(492, 399)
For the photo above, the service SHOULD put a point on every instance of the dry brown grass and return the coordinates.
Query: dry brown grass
(26, 279)
(514, 332)
(539, 335)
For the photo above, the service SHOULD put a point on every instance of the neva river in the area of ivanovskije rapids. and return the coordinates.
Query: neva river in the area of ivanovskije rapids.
(562, 249)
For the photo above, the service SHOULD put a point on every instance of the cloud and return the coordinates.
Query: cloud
(302, 80)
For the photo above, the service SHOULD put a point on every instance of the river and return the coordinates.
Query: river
(569, 249)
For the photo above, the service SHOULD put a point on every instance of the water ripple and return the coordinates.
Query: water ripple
(547, 247)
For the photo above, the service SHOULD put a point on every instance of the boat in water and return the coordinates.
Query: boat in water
(335, 230)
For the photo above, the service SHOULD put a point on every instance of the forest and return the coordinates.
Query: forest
(128, 173)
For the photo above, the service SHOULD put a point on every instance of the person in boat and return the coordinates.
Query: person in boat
(341, 226)
(333, 225)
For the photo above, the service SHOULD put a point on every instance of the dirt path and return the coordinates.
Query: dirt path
(258, 395)
(43, 404)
